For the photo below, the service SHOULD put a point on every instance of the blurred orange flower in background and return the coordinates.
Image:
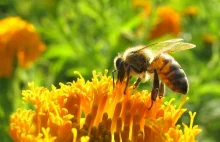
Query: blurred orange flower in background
(18, 40)
(145, 5)
(168, 23)
(209, 39)
(191, 11)
(94, 111)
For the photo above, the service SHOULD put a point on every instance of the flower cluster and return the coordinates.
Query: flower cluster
(95, 111)
(18, 39)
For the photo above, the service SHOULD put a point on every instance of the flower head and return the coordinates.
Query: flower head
(94, 111)
(191, 11)
(145, 5)
(168, 23)
(209, 39)
(18, 39)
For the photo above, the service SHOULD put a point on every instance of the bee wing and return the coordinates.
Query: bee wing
(168, 46)
(173, 45)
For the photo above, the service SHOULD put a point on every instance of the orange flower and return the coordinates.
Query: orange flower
(209, 39)
(144, 4)
(191, 11)
(17, 39)
(94, 111)
(145, 7)
(168, 23)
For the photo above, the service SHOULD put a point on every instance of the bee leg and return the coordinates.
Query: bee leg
(161, 90)
(137, 82)
(155, 89)
(128, 77)
(113, 78)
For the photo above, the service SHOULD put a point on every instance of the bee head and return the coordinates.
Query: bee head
(118, 61)
(119, 66)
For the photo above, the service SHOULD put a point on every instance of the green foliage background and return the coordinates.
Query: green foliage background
(84, 35)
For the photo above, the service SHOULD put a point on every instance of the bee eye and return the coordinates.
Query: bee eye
(118, 62)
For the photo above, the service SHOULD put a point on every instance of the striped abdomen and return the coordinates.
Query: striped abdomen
(171, 73)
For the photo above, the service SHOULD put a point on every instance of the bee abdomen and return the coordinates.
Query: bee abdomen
(180, 85)
(173, 75)
(178, 81)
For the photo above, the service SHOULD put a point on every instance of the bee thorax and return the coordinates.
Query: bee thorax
(139, 61)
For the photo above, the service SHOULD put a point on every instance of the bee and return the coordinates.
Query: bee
(154, 59)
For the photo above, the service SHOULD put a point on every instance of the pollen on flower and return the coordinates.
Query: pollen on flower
(18, 40)
(95, 111)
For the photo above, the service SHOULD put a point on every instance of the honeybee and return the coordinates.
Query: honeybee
(142, 61)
